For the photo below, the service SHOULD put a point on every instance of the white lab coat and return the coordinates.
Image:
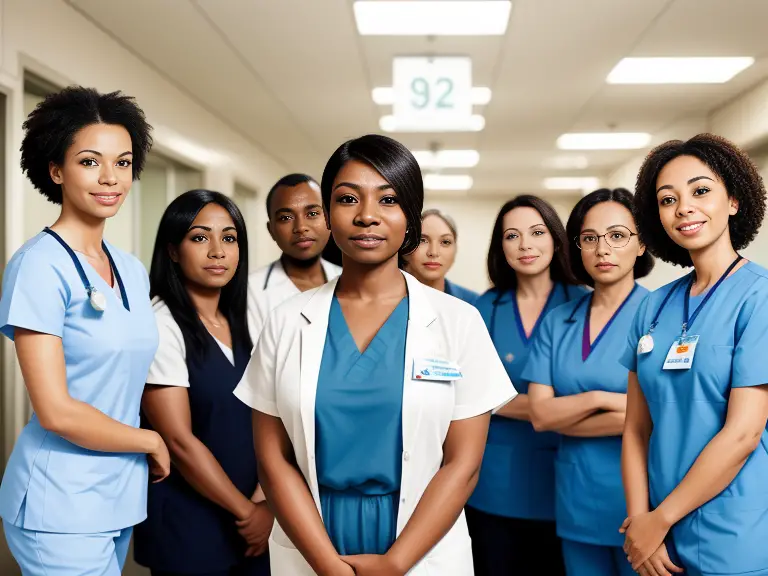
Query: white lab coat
(268, 289)
(281, 380)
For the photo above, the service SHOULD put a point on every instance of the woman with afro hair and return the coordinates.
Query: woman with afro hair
(695, 445)
(78, 311)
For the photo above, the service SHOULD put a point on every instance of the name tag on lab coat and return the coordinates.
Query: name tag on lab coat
(435, 369)
(680, 355)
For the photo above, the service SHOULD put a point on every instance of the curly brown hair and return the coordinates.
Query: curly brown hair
(734, 169)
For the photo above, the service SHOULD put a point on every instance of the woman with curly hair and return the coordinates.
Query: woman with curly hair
(78, 311)
(695, 445)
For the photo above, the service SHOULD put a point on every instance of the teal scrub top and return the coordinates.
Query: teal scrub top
(50, 484)
(517, 474)
(589, 504)
(728, 534)
(359, 433)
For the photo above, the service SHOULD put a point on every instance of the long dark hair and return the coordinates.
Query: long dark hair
(166, 279)
(501, 274)
(643, 264)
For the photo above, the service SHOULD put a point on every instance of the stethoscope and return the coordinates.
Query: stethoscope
(495, 308)
(272, 267)
(97, 299)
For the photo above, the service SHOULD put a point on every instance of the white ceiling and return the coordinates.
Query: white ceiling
(294, 77)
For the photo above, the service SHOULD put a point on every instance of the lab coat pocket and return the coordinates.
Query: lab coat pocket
(732, 532)
(285, 561)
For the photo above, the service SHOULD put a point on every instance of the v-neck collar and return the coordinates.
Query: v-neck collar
(348, 333)
(519, 319)
(586, 345)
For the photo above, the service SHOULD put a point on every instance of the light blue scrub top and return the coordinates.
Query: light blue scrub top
(359, 433)
(590, 504)
(728, 534)
(50, 484)
(461, 293)
(517, 478)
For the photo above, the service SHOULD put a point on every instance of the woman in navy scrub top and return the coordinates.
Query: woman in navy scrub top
(372, 393)
(78, 311)
(578, 387)
(208, 518)
(695, 455)
(434, 257)
(511, 513)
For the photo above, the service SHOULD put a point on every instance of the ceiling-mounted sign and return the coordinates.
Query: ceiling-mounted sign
(432, 93)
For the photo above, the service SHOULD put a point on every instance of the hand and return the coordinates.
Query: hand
(644, 534)
(373, 565)
(659, 564)
(256, 528)
(159, 461)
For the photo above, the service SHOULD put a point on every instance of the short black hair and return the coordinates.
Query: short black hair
(166, 279)
(396, 165)
(288, 181)
(732, 166)
(643, 264)
(51, 127)
(502, 276)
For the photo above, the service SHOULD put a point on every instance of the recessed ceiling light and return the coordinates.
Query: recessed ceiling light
(473, 123)
(677, 70)
(568, 183)
(604, 141)
(385, 95)
(566, 162)
(447, 182)
(447, 158)
(432, 17)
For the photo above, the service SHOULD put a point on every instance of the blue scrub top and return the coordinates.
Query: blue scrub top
(589, 504)
(359, 433)
(66, 488)
(517, 475)
(461, 293)
(728, 534)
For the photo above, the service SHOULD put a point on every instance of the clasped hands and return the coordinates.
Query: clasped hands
(644, 544)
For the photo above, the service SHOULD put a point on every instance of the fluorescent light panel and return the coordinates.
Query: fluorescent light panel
(447, 158)
(569, 183)
(385, 95)
(604, 141)
(677, 70)
(474, 123)
(432, 17)
(447, 182)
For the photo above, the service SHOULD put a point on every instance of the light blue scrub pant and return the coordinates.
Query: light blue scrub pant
(55, 554)
(590, 560)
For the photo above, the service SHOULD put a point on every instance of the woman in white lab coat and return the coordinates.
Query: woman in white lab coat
(372, 394)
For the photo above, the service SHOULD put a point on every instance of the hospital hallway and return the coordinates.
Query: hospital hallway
(494, 99)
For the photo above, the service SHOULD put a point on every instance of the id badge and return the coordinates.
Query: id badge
(681, 353)
(435, 369)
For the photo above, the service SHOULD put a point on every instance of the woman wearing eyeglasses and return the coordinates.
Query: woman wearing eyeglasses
(578, 387)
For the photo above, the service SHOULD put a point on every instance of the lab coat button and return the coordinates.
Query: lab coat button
(406, 456)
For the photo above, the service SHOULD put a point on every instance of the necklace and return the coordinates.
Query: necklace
(211, 322)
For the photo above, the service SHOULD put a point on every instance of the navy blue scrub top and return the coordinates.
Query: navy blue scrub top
(461, 293)
(359, 433)
(517, 479)
(184, 531)
(589, 504)
(728, 534)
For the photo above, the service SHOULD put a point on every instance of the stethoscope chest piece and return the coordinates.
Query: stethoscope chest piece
(645, 345)
(98, 300)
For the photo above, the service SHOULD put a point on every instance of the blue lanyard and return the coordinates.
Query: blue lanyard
(81, 272)
(688, 320)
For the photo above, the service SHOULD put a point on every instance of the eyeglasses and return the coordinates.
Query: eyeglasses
(617, 237)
